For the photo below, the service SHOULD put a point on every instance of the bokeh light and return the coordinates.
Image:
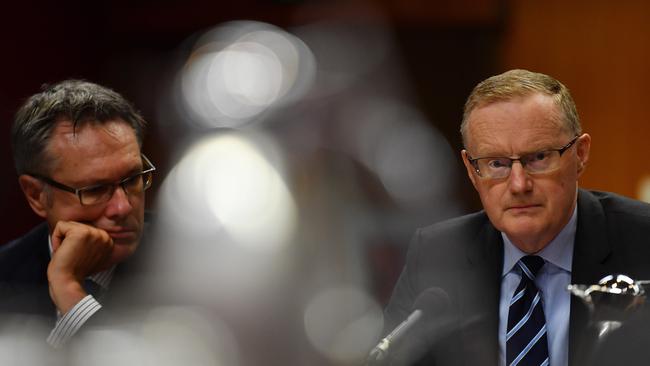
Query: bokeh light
(22, 342)
(238, 71)
(411, 158)
(346, 53)
(189, 336)
(231, 183)
(167, 336)
(343, 323)
(227, 222)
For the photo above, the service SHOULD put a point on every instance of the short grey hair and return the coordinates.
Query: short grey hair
(78, 101)
(519, 83)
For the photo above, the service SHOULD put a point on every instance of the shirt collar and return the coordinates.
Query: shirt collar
(558, 252)
(102, 278)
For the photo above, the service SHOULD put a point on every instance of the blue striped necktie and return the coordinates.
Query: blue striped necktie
(526, 342)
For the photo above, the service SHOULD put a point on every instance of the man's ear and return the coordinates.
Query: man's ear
(469, 167)
(34, 191)
(582, 149)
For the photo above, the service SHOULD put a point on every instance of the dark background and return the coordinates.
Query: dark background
(130, 46)
(600, 51)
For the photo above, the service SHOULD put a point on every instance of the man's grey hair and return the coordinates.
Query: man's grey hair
(520, 83)
(77, 101)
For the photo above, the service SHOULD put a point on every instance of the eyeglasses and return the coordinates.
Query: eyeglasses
(534, 163)
(100, 193)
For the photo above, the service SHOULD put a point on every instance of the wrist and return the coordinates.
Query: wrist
(65, 292)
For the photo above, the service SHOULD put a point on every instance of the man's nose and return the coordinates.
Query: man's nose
(119, 204)
(520, 180)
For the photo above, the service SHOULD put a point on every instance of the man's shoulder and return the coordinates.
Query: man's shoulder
(615, 203)
(28, 250)
(619, 210)
(454, 235)
(35, 237)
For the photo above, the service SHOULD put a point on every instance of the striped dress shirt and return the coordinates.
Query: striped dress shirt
(68, 324)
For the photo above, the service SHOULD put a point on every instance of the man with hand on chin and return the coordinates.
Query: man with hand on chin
(77, 151)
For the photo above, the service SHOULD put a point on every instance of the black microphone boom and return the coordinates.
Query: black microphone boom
(431, 304)
(380, 352)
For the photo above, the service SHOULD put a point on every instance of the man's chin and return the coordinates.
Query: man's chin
(522, 227)
(527, 235)
(122, 250)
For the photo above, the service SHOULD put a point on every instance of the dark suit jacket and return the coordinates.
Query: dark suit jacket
(464, 256)
(23, 275)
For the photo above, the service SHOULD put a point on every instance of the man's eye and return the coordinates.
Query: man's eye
(498, 163)
(133, 181)
(538, 156)
(96, 191)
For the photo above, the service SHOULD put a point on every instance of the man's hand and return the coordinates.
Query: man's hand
(78, 250)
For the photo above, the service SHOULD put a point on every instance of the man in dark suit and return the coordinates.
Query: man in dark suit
(77, 151)
(524, 152)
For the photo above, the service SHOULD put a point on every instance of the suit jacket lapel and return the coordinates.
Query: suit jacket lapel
(480, 308)
(591, 249)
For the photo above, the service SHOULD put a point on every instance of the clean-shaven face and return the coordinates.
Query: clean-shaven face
(530, 209)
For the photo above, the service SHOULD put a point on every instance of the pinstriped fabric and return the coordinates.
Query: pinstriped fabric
(526, 340)
(72, 321)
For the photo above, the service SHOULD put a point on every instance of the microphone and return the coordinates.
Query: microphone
(429, 306)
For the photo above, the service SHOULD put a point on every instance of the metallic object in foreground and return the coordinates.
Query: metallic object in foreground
(611, 301)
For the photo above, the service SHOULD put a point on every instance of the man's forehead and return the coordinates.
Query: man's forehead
(70, 129)
(90, 135)
(91, 145)
(516, 145)
(538, 103)
(530, 123)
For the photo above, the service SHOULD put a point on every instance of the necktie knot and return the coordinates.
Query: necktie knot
(531, 264)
